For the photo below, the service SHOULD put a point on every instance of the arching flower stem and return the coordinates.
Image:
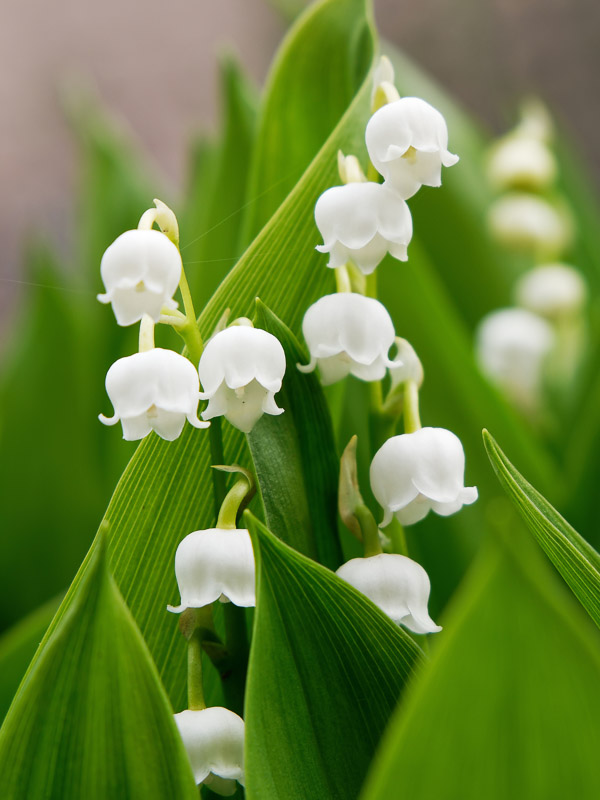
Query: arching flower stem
(369, 530)
(398, 537)
(412, 419)
(233, 501)
(146, 339)
(196, 701)
(342, 279)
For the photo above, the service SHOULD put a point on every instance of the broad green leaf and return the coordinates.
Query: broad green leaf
(17, 648)
(573, 557)
(316, 73)
(214, 205)
(91, 719)
(166, 491)
(509, 705)
(294, 457)
(326, 670)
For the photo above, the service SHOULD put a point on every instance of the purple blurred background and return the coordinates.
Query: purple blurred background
(154, 64)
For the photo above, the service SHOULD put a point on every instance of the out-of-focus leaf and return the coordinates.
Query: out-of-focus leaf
(166, 490)
(214, 204)
(17, 648)
(305, 102)
(509, 705)
(294, 457)
(289, 9)
(91, 719)
(326, 670)
(573, 557)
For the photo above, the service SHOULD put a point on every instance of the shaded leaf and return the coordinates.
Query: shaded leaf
(294, 456)
(573, 557)
(326, 670)
(91, 718)
(508, 706)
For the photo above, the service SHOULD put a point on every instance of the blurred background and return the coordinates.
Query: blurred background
(154, 65)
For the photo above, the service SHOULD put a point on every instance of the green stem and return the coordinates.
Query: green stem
(231, 504)
(369, 530)
(196, 700)
(382, 424)
(342, 279)
(371, 290)
(398, 538)
(412, 419)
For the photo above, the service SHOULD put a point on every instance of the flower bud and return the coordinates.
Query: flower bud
(552, 290)
(154, 390)
(215, 564)
(415, 473)
(529, 223)
(397, 585)
(361, 222)
(407, 142)
(521, 162)
(383, 90)
(141, 271)
(241, 369)
(348, 334)
(512, 345)
(214, 741)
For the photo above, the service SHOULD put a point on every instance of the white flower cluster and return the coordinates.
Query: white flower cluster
(348, 333)
(240, 368)
(407, 142)
(521, 348)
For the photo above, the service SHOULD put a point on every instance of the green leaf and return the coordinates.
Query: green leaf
(573, 557)
(91, 718)
(294, 457)
(326, 670)
(17, 648)
(214, 206)
(509, 705)
(166, 491)
(318, 70)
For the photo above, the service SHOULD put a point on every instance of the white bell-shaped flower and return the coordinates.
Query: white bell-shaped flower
(527, 222)
(408, 144)
(215, 564)
(214, 741)
(397, 585)
(156, 390)
(552, 290)
(415, 473)
(348, 334)
(141, 270)
(241, 369)
(361, 222)
(512, 346)
(410, 368)
(521, 162)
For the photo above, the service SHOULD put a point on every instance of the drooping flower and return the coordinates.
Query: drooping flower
(348, 334)
(521, 162)
(215, 564)
(407, 142)
(415, 473)
(512, 345)
(154, 390)
(214, 741)
(552, 290)
(241, 369)
(141, 271)
(530, 223)
(395, 583)
(361, 222)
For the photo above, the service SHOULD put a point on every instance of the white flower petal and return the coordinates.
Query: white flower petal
(416, 472)
(397, 585)
(407, 142)
(346, 334)
(156, 389)
(141, 270)
(215, 562)
(552, 290)
(362, 222)
(214, 741)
